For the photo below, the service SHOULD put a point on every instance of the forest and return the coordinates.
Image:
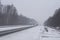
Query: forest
(53, 21)
(9, 16)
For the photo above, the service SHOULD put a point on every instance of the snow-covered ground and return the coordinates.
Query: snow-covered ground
(35, 33)
(29, 34)
(52, 34)
(3, 28)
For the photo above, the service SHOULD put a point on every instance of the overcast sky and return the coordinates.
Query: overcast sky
(40, 10)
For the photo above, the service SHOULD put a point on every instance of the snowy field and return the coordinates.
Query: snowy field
(52, 34)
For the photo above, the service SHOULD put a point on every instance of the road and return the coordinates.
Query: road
(35, 33)
(29, 34)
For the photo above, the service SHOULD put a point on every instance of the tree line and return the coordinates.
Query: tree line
(9, 16)
(53, 21)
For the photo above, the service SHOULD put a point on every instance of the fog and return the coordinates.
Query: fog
(40, 10)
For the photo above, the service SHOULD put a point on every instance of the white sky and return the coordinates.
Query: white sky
(37, 9)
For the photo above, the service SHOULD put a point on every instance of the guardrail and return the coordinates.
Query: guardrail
(6, 32)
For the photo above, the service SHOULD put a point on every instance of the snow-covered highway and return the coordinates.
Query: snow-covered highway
(29, 34)
(35, 33)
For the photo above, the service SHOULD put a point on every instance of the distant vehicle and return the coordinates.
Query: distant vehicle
(46, 29)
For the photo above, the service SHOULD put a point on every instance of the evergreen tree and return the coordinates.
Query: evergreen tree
(54, 21)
